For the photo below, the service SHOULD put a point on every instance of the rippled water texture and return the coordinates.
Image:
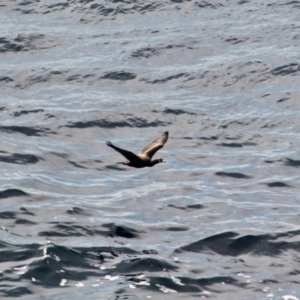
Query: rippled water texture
(219, 220)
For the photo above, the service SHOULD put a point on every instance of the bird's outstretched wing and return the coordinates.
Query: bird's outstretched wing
(127, 154)
(148, 152)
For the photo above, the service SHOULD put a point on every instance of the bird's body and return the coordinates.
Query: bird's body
(143, 159)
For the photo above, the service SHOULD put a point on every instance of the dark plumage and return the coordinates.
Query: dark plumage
(143, 159)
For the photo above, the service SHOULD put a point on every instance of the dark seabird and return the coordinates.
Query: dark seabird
(143, 159)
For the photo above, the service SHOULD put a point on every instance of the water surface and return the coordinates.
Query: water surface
(219, 220)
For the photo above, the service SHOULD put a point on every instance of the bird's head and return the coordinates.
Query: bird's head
(156, 161)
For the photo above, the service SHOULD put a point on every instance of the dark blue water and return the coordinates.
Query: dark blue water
(219, 220)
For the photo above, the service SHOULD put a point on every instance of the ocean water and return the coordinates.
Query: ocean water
(218, 220)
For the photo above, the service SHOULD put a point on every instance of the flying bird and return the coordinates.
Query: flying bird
(143, 159)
